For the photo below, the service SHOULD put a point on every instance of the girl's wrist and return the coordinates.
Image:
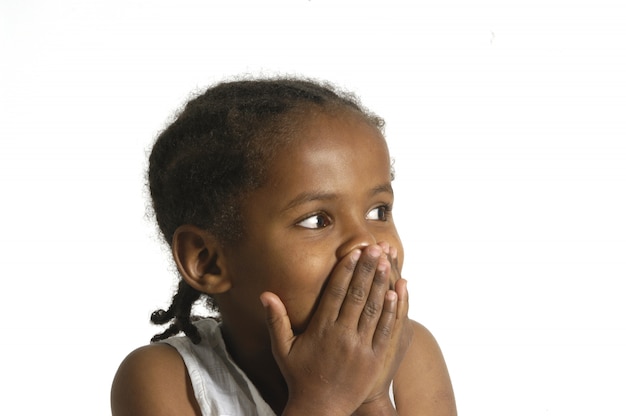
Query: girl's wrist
(379, 407)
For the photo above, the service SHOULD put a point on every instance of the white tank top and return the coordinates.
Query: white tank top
(220, 387)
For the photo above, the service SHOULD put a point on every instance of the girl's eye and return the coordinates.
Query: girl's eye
(315, 221)
(380, 213)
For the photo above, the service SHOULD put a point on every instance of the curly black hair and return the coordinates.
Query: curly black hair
(215, 151)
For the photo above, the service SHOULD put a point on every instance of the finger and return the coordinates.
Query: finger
(402, 331)
(393, 259)
(359, 288)
(278, 324)
(403, 298)
(384, 246)
(385, 326)
(376, 298)
(336, 289)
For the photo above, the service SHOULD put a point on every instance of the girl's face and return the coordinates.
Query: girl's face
(328, 192)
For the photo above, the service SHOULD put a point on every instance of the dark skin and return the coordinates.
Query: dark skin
(314, 309)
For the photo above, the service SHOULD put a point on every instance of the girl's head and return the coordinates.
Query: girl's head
(221, 149)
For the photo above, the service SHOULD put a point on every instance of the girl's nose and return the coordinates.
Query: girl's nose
(356, 238)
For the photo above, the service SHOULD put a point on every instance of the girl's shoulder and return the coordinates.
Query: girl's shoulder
(153, 380)
(422, 382)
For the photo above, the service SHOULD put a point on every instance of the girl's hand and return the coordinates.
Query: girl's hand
(342, 359)
(378, 402)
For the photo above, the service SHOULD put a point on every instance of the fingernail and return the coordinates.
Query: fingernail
(385, 246)
(263, 301)
(374, 251)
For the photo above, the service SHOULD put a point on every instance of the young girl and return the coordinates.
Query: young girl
(275, 197)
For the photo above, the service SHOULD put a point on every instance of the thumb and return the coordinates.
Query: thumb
(278, 324)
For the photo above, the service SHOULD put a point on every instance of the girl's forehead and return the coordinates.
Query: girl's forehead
(328, 140)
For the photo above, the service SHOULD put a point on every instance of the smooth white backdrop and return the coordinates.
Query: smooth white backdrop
(506, 119)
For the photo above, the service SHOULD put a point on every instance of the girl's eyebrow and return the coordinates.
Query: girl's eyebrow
(305, 197)
(385, 187)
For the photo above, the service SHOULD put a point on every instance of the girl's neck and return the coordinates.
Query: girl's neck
(253, 354)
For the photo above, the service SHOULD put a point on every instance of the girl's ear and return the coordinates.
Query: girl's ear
(200, 260)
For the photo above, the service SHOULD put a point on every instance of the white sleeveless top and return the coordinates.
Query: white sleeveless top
(220, 386)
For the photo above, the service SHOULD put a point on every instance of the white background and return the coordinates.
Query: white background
(507, 120)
